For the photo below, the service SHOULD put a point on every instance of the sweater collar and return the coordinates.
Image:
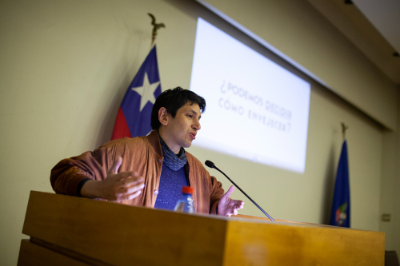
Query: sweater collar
(172, 160)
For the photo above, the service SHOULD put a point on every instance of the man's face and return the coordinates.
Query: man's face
(181, 131)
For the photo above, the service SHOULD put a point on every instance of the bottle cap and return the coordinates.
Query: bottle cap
(187, 190)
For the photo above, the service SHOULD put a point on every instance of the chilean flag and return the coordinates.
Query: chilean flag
(133, 118)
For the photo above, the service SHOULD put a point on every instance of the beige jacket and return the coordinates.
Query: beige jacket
(140, 154)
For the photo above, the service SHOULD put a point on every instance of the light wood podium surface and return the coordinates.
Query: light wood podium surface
(67, 230)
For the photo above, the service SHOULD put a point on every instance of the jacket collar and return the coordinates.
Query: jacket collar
(154, 140)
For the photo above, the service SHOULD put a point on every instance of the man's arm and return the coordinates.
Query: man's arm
(92, 169)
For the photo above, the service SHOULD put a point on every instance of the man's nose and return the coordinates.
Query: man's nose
(197, 125)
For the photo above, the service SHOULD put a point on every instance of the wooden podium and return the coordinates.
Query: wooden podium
(68, 230)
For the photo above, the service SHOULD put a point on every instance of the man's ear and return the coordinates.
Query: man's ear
(163, 116)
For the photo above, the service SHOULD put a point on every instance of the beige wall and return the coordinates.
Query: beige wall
(65, 66)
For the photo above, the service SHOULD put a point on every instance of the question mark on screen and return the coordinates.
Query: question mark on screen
(223, 83)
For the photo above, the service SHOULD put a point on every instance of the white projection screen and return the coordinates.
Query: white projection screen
(256, 110)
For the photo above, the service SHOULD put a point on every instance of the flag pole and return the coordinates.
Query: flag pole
(344, 128)
(156, 26)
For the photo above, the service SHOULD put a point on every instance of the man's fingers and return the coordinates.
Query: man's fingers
(236, 205)
(130, 179)
(229, 192)
(130, 185)
(115, 167)
(228, 206)
(124, 193)
(130, 193)
(134, 189)
(239, 204)
(134, 195)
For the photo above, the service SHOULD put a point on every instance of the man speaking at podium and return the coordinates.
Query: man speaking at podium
(151, 170)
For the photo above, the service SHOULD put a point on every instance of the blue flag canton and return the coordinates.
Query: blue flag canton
(140, 96)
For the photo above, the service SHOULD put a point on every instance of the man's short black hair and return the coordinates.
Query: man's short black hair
(172, 100)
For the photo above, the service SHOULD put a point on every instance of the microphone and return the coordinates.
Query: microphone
(212, 165)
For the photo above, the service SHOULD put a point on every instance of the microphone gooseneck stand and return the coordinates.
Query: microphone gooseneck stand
(212, 165)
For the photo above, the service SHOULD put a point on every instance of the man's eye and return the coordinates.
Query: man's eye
(189, 116)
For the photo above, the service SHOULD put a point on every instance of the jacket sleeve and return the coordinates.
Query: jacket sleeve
(208, 190)
(216, 194)
(68, 173)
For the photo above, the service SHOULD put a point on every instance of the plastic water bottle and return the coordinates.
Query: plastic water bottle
(185, 203)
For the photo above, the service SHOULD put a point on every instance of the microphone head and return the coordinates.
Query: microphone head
(210, 164)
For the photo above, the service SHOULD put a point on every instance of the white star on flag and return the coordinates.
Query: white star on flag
(146, 91)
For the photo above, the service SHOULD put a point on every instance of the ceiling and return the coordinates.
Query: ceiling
(372, 25)
(384, 15)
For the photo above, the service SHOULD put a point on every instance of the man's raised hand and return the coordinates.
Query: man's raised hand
(228, 206)
(116, 186)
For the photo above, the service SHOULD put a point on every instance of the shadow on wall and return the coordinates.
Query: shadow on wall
(117, 90)
(391, 258)
(329, 185)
